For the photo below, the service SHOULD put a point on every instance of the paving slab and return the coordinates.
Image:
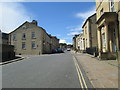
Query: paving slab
(102, 74)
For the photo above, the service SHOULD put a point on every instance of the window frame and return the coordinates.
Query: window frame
(14, 37)
(33, 43)
(23, 35)
(33, 35)
(23, 44)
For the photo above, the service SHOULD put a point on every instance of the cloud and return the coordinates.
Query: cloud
(73, 33)
(12, 15)
(85, 15)
(62, 41)
(67, 38)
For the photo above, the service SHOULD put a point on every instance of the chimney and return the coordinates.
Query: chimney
(34, 22)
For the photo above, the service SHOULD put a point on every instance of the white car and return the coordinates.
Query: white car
(68, 49)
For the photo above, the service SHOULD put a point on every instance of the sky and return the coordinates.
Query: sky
(61, 19)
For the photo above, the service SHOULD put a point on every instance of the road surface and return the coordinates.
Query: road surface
(45, 71)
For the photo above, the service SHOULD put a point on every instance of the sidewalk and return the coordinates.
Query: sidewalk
(102, 74)
(13, 60)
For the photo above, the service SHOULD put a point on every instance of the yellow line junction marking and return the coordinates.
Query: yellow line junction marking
(80, 75)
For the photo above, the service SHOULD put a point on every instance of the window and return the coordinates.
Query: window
(85, 30)
(103, 39)
(33, 34)
(33, 45)
(112, 5)
(23, 36)
(101, 12)
(23, 45)
(14, 36)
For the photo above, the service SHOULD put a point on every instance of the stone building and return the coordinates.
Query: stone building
(81, 43)
(108, 28)
(90, 33)
(30, 39)
(6, 50)
(54, 42)
(75, 44)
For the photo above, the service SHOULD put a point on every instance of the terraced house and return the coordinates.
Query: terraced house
(90, 34)
(108, 28)
(30, 39)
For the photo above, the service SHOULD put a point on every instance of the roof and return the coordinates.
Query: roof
(36, 26)
(19, 27)
(88, 19)
(4, 36)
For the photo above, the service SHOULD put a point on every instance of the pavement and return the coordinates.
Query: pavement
(102, 74)
(13, 60)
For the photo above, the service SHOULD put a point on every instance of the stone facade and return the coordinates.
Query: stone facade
(90, 32)
(108, 24)
(30, 39)
(75, 43)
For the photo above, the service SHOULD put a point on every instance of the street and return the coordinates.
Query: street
(45, 71)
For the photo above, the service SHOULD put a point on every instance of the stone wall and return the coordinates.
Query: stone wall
(7, 52)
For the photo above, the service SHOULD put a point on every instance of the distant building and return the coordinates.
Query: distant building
(90, 34)
(81, 43)
(75, 44)
(30, 39)
(108, 28)
(63, 46)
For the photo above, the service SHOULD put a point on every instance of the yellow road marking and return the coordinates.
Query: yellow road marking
(80, 81)
(80, 75)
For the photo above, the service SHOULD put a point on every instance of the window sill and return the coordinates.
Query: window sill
(33, 38)
(23, 38)
(33, 48)
(23, 48)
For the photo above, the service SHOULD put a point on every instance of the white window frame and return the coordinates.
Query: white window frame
(33, 35)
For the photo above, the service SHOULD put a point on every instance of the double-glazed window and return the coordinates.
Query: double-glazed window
(33, 45)
(33, 35)
(23, 45)
(14, 36)
(23, 36)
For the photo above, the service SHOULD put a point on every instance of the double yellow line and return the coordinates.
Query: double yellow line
(80, 75)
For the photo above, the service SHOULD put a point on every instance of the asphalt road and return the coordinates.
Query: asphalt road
(46, 71)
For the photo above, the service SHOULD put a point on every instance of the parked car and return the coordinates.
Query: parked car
(68, 49)
(60, 50)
